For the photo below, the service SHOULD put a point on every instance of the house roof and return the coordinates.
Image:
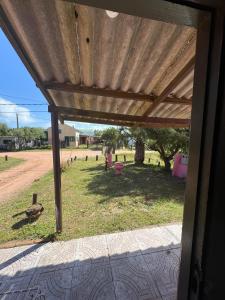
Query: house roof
(65, 125)
(87, 133)
(125, 70)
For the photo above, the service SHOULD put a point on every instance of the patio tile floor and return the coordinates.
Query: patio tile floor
(140, 264)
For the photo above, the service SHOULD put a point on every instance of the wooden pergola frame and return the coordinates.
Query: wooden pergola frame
(203, 246)
(137, 121)
(71, 88)
(175, 82)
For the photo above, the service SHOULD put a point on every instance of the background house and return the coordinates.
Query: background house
(88, 139)
(68, 136)
(9, 143)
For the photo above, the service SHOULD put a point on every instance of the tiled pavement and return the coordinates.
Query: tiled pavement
(139, 264)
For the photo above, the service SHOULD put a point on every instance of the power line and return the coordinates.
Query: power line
(22, 104)
(35, 117)
(18, 97)
(23, 112)
(34, 122)
(37, 121)
(43, 119)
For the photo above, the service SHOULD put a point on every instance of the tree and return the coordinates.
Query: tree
(4, 130)
(137, 136)
(110, 137)
(27, 134)
(124, 139)
(167, 142)
(98, 133)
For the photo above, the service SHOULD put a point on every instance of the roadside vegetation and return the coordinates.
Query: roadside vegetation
(165, 141)
(96, 201)
(10, 163)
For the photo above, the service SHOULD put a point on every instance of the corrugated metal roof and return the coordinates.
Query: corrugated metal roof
(80, 45)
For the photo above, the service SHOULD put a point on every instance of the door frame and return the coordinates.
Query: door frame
(202, 260)
(207, 121)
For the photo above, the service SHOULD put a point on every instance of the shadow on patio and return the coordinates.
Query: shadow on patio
(140, 264)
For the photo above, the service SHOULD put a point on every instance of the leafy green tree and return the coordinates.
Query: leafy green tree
(26, 134)
(29, 133)
(167, 142)
(123, 139)
(4, 130)
(139, 137)
(110, 137)
(98, 133)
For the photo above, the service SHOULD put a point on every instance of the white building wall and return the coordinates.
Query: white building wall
(65, 130)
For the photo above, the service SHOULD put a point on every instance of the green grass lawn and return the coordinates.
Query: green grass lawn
(96, 201)
(11, 162)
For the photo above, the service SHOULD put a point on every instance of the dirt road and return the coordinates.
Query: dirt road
(36, 164)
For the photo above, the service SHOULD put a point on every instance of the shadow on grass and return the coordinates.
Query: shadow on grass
(23, 222)
(19, 214)
(152, 183)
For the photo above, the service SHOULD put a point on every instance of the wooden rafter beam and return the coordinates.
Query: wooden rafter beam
(98, 121)
(174, 83)
(123, 123)
(69, 112)
(175, 100)
(74, 88)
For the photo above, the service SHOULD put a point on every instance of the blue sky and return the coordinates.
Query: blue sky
(17, 87)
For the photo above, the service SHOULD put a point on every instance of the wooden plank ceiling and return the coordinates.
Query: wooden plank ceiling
(124, 70)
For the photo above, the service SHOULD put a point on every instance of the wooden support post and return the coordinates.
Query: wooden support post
(6, 157)
(124, 157)
(71, 160)
(75, 158)
(34, 199)
(149, 160)
(57, 173)
(116, 158)
(86, 158)
(96, 157)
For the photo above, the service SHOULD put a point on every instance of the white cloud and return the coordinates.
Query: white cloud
(8, 113)
(27, 119)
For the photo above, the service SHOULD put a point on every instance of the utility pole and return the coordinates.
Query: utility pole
(17, 121)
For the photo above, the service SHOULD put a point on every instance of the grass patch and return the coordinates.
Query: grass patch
(11, 162)
(96, 201)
